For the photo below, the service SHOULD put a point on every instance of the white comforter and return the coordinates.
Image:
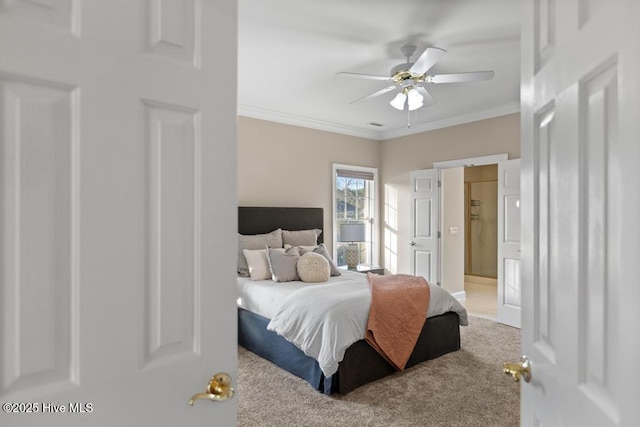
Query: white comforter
(324, 319)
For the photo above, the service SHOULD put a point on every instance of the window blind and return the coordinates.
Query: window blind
(344, 173)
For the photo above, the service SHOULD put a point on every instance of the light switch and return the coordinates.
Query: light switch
(453, 231)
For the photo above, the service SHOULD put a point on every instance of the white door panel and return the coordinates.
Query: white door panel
(580, 151)
(114, 135)
(509, 293)
(425, 208)
(422, 262)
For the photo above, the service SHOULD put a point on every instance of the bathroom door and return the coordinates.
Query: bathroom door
(509, 243)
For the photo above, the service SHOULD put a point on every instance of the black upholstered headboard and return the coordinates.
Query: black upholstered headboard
(260, 220)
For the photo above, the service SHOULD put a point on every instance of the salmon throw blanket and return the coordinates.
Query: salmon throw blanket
(397, 314)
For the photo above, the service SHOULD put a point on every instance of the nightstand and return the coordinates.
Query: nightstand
(365, 269)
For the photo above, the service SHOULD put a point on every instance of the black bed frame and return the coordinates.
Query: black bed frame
(361, 363)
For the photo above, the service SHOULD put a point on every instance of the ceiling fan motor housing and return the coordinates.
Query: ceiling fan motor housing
(400, 73)
(400, 68)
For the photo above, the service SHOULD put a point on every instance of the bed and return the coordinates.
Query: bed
(360, 363)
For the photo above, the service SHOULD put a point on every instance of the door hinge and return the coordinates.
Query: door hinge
(438, 283)
(439, 183)
(438, 234)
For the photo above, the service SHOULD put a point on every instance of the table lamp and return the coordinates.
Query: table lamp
(352, 233)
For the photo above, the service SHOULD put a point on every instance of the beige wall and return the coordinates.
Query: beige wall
(401, 155)
(283, 165)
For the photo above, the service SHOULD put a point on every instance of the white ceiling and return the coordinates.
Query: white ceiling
(290, 51)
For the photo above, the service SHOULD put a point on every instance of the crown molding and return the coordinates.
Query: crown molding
(501, 110)
(290, 119)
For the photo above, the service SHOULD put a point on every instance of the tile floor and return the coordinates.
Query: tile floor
(481, 299)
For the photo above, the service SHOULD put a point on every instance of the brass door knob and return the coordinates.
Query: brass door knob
(518, 370)
(219, 388)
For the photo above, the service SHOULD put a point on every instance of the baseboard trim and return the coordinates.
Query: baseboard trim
(460, 296)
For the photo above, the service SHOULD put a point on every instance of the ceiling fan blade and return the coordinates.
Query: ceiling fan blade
(374, 94)
(428, 99)
(365, 76)
(427, 60)
(474, 76)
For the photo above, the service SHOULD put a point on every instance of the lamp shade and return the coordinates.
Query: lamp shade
(414, 99)
(352, 232)
(399, 101)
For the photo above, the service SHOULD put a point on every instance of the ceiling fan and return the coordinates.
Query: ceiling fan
(409, 79)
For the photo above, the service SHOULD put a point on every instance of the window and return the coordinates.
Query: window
(354, 202)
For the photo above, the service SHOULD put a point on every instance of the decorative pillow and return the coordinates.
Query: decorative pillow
(313, 268)
(322, 250)
(258, 264)
(282, 264)
(257, 241)
(301, 237)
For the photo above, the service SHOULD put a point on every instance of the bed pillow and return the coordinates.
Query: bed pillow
(301, 237)
(258, 264)
(256, 241)
(322, 250)
(313, 268)
(309, 248)
(283, 264)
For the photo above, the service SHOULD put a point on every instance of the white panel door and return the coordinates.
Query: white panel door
(116, 237)
(424, 245)
(509, 288)
(580, 202)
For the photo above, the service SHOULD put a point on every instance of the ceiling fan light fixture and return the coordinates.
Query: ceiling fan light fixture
(414, 99)
(409, 79)
(399, 101)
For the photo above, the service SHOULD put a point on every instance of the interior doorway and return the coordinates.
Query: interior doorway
(481, 221)
(478, 183)
(481, 239)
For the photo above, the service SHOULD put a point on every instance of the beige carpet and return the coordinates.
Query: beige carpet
(464, 388)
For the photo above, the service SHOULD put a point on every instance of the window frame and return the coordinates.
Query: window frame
(375, 235)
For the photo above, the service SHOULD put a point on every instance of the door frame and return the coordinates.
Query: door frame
(471, 161)
(457, 163)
